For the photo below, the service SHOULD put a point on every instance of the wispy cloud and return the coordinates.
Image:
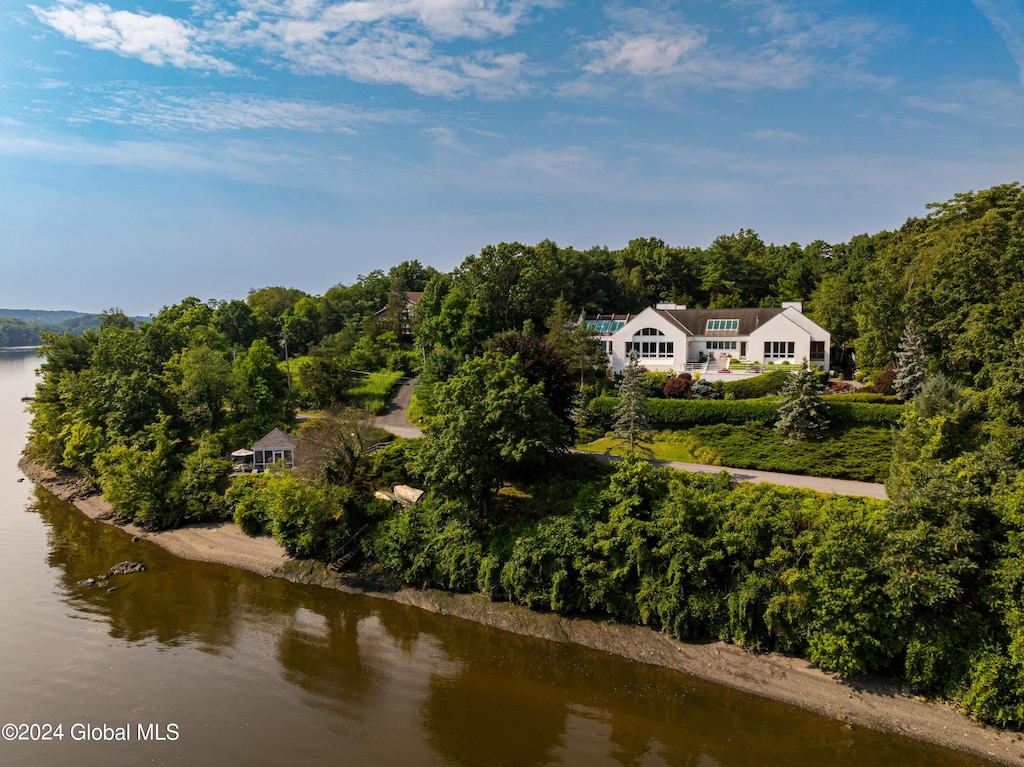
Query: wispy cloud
(160, 110)
(1008, 20)
(980, 101)
(768, 46)
(152, 38)
(775, 134)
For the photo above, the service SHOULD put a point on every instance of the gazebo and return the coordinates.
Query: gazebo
(275, 446)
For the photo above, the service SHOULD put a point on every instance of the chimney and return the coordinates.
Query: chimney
(798, 305)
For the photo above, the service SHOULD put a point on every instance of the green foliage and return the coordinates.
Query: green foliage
(911, 365)
(371, 393)
(433, 543)
(309, 521)
(860, 453)
(802, 412)
(248, 504)
(704, 389)
(490, 422)
(201, 484)
(139, 481)
(693, 412)
(394, 464)
(631, 423)
(764, 385)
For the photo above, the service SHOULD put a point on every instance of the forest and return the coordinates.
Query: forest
(926, 587)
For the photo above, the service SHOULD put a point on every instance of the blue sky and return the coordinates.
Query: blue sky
(155, 149)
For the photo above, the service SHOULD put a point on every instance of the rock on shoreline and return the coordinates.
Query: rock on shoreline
(876, 704)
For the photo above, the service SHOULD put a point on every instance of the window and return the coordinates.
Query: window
(651, 348)
(723, 325)
(650, 332)
(818, 351)
(721, 344)
(779, 349)
(605, 327)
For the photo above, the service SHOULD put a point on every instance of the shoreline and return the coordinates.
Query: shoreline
(871, 703)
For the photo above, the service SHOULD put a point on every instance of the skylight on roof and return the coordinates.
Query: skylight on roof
(605, 327)
(723, 325)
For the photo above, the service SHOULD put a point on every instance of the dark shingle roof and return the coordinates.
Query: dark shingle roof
(695, 321)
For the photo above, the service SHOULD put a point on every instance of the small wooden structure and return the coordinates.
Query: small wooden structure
(275, 446)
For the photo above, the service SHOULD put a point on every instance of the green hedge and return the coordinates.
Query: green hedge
(863, 413)
(690, 412)
(763, 385)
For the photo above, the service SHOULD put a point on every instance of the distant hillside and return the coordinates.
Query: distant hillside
(41, 316)
(21, 327)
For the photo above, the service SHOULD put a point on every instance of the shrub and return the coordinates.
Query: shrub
(704, 389)
(248, 505)
(883, 382)
(678, 387)
(654, 381)
(763, 385)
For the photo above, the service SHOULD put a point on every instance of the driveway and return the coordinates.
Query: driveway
(395, 420)
(821, 484)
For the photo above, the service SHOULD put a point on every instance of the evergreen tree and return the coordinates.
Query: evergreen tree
(632, 426)
(911, 365)
(802, 413)
(704, 389)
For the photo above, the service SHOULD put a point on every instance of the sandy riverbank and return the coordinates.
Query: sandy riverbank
(866, 703)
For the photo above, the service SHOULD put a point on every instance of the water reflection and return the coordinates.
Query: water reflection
(323, 676)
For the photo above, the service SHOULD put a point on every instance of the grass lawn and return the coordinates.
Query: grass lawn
(862, 453)
(663, 451)
(370, 392)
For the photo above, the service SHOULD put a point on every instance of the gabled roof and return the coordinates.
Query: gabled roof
(695, 321)
(412, 297)
(276, 439)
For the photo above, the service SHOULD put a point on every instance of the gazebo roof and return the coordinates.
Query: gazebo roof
(276, 439)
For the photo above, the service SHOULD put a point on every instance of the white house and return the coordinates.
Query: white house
(672, 337)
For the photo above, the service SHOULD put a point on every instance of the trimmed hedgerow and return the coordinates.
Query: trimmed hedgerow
(686, 412)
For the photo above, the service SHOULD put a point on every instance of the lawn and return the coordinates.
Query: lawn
(861, 453)
(372, 391)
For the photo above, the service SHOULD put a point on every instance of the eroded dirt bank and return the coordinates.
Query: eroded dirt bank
(860, 703)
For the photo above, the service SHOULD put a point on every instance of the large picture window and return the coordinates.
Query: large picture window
(651, 348)
(776, 350)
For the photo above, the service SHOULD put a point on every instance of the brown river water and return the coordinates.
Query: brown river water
(197, 664)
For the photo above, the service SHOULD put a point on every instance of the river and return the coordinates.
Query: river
(203, 664)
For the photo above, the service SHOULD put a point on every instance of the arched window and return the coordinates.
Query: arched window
(649, 349)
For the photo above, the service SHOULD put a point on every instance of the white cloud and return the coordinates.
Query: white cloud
(645, 53)
(772, 47)
(1008, 20)
(400, 42)
(152, 38)
(387, 41)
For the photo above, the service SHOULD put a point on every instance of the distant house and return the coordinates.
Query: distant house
(275, 446)
(412, 298)
(672, 337)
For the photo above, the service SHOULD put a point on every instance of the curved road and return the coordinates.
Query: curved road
(396, 422)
